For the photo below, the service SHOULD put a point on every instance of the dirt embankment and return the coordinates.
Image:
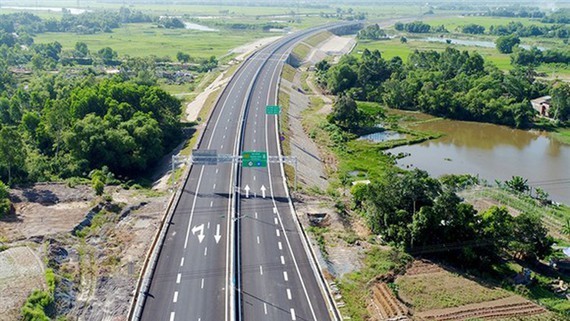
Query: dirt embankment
(95, 247)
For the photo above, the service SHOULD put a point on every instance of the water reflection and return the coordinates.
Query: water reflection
(493, 152)
(382, 136)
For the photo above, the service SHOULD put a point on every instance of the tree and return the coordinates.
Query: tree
(403, 39)
(560, 108)
(345, 114)
(81, 50)
(107, 54)
(542, 196)
(12, 152)
(473, 29)
(505, 44)
(341, 77)
(182, 57)
(518, 184)
(497, 227)
(5, 204)
(98, 186)
(530, 240)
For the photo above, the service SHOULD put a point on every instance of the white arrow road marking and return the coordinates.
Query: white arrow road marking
(201, 234)
(217, 236)
(246, 188)
(263, 189)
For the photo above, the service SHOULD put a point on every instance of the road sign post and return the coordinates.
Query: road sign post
(254, 159)
(272, 110)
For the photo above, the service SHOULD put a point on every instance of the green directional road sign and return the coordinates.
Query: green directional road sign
(254, 159)
(273, 110)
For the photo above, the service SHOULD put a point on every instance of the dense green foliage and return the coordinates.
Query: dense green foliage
(521, 30)
(420, 213)
(171, 23)
(505, 44)
(345, 114)
(5, 204)
(515, 11)
(560, 108)
(85, 23)
(559, 16)
(418, 27)
(474, 29)
(62, 128)
(454, 84)
(535, 56)
(372, 32)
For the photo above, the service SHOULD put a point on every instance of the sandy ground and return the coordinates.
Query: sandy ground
(310, 165)
(103, 267)
(44, 210)
(21, 272)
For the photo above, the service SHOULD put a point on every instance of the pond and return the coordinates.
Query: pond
(476, 43)
(382, 136)
(195, 26)
(492, 152)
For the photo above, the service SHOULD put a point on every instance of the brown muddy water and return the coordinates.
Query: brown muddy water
(492, 152)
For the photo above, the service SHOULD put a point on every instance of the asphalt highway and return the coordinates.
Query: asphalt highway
(193, 276)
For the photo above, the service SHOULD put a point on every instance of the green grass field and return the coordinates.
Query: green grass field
(139, 40)
(393, 47)
(451, 23)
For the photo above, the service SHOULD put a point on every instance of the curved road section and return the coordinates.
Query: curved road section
(194, 276)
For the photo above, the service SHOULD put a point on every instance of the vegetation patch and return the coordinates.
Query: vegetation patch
(443, 290)
(301, 51)
(355, 286)
(40, 304)
(562, 135)
(313, 41)
(288, 72)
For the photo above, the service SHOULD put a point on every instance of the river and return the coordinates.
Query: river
(492, 152)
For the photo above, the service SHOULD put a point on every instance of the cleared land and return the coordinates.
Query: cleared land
(444, 290)
(21, 272)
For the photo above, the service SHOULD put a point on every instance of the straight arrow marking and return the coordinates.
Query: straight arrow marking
(217, 236)
(263, 189)
(246, 188)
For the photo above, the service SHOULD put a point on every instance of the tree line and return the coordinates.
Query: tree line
(517, 28)
(453, 84)
(426, 216)
(60, 127)
(419, 27)
(84, 23)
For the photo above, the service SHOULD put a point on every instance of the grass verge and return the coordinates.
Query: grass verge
(354, 286)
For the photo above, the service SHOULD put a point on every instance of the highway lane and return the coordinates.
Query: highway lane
(278, 281)
(192, 279)
(192, 274)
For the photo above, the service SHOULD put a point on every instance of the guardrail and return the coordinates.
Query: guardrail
(315, 265)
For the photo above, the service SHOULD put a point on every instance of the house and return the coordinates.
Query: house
(542, 106)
